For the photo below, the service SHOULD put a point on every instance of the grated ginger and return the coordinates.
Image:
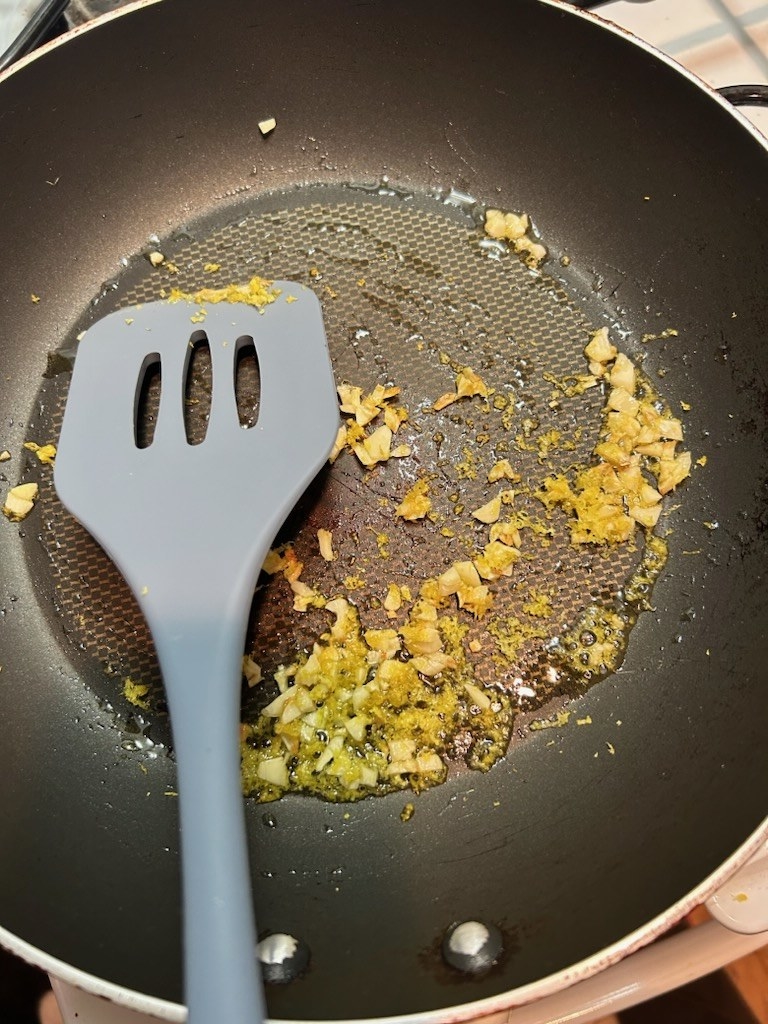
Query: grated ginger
(256, 292)
(416, 503)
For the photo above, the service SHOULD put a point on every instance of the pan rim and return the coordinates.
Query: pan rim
(654, 51)
(525, 994)
(166, 1010)
(562, 5)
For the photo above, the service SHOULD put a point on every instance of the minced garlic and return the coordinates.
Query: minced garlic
(514, 228)
(371, 711)
(609, 499)
(325, 543)
(468, 384)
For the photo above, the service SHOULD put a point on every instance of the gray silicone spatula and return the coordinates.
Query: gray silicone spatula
(189, 527)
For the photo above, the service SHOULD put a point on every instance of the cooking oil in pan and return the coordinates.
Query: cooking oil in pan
(412, 293)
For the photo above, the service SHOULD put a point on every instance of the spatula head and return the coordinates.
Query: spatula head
(138, 501)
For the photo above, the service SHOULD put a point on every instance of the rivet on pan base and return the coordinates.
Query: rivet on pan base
(282, 958)
(472, 947)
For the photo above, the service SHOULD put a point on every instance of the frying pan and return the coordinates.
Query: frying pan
(147, 125)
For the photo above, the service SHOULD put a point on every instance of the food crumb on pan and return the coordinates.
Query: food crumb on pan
(45, 453)
(267, 125)
(407, 812)
(136, 693)
(5, 455)
(325, 544)
(34, 299)
(557, 722)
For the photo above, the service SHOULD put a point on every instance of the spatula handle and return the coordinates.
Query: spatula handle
(201, 666)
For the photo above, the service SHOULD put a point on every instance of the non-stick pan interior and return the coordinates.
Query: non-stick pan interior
(411, 289)
(566, 846)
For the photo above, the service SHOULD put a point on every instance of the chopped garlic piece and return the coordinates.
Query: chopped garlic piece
(506, 225)
(339, 444)
(621, 401)
(267, 125)
(395, 416)
(622, 375)
(156, 258)
(496, 560)
(383, 641)
(445, 400)
(394, 600)
(274, 563)
(673, 471)
(468, 383)
(45, 453)
(20, 501)
(421, 636)
(356, 726)
(501, 470)
(479, 697)
(5, 455)
(305, 597)
(325, 540)
(273, 770)
(476, 600)
(600, 350)
(429, 762)
(251, 671)
(433, 664)
(460, 574)
(647, 517)
(416, 502)
(534, 253)
(377, 447)
(490, 512)
(507, 533)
